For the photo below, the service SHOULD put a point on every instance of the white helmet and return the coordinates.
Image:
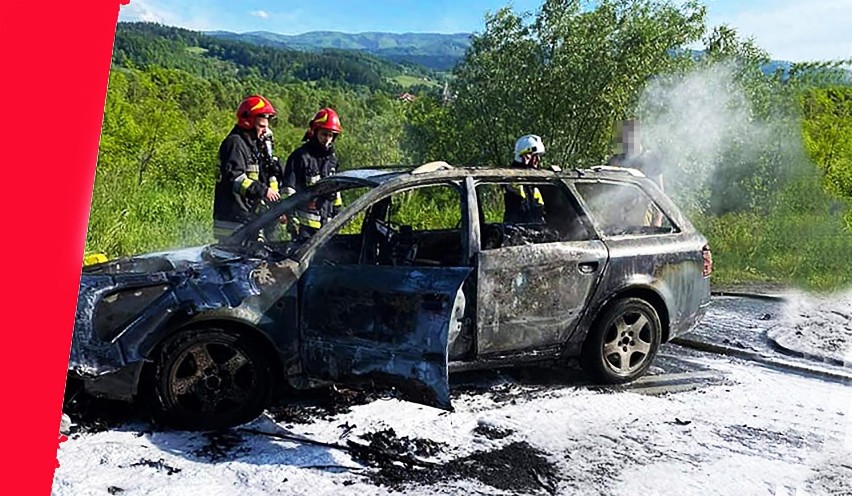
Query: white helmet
(529, 143)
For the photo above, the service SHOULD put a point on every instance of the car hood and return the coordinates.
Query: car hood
(164, 261)
(124, 303)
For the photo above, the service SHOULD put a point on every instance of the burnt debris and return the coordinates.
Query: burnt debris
(222, 445)
(515, 467)
(322, 404)
(492, 432)
(160, 465)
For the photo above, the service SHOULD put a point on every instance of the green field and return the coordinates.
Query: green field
(407, 81)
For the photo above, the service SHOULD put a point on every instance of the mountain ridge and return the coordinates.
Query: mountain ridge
(143, 44)
(438, 51)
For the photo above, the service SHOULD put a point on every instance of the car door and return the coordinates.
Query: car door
(533, 280)
(381, 322)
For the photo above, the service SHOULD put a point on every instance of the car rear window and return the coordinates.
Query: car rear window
(620, 209)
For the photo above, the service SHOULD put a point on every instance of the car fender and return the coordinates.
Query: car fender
(606, 294)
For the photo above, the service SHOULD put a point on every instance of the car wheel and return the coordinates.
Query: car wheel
(623, 342)
(208, 379)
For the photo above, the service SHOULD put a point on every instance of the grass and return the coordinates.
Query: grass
(806, 250)
(407, 81)
(145, 218)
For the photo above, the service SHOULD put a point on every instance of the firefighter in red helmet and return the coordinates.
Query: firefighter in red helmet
(248, 173)
(312, 161)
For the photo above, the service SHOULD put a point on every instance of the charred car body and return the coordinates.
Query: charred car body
(418, 277)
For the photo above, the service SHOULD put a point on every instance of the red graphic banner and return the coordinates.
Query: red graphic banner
(55, 58)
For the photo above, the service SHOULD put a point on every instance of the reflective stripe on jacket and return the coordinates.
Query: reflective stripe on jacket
(306, 166)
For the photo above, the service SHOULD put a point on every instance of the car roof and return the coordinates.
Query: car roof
(380, 175)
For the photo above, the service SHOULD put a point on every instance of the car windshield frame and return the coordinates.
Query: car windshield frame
(330, 185)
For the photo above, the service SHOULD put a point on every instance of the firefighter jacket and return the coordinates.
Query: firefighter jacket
(305, 167)
(523, 203)
(245, 173)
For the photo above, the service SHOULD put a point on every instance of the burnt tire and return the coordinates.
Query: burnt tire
(623, 342)
(208, 379)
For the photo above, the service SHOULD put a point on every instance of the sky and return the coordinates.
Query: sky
(791, 30)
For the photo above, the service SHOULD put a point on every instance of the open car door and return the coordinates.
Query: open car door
(386, 325)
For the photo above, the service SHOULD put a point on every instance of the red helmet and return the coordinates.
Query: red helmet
(252, 107)
(325, 119)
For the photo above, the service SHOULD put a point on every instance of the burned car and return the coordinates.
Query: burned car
(417, 277)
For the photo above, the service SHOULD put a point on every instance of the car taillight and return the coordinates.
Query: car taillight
(708, 260)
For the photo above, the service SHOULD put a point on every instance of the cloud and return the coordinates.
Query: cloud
(260, 13)
(192, 17)
(146, 11)
(796, 31)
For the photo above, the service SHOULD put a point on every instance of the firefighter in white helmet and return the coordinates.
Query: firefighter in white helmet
(528, 151)
(524, 203)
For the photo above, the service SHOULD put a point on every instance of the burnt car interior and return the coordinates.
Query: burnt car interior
(391, 232)
(394, 232)
(562, 218)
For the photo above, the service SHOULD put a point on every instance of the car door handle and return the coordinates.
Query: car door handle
(587, 267)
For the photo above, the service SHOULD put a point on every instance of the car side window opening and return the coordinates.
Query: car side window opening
(513, 214)
(416, 227)
(348, 197)
(420, 226)
(344, 247)
(621, 209)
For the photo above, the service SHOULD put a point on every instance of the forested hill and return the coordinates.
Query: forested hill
(441, 52)
(144, 44)
(433, 50)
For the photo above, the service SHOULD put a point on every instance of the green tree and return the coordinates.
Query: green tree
(565, 73)
(827, 131)
(430, 132)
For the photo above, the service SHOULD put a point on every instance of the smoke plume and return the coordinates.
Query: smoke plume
(715, 150)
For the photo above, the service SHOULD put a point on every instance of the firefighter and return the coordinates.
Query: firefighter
(524, 203)
(312, 161)
(245, 171)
